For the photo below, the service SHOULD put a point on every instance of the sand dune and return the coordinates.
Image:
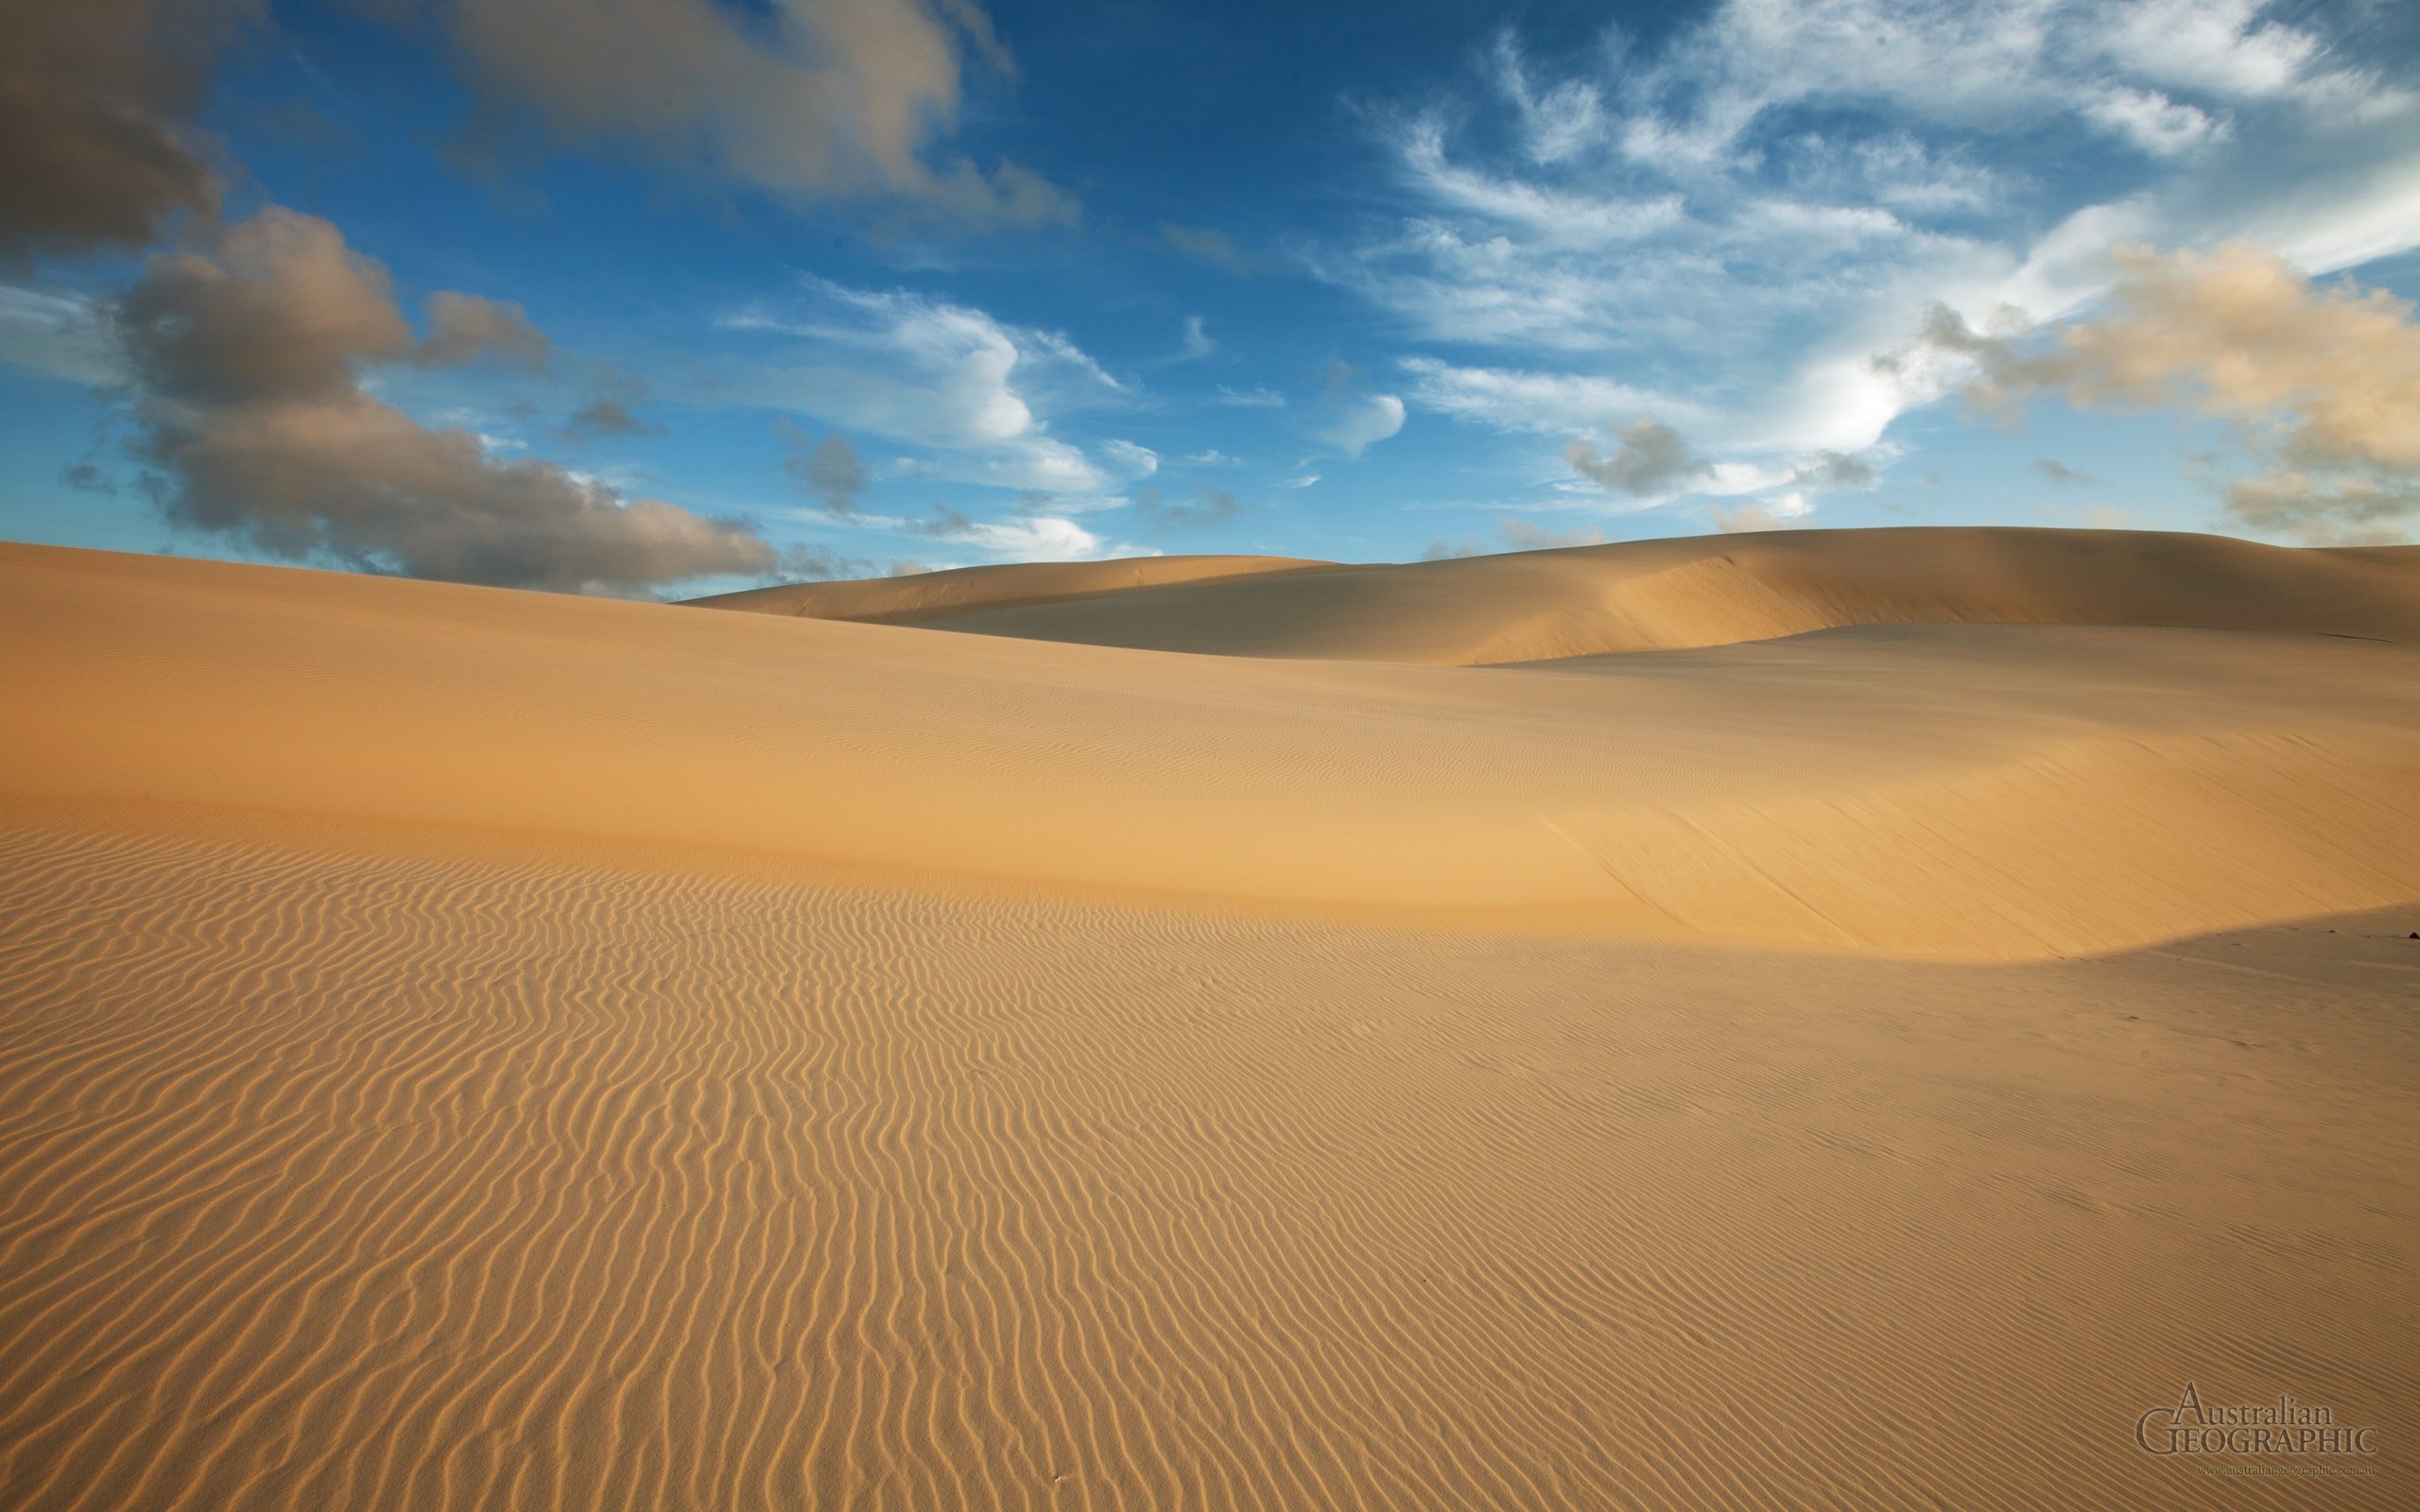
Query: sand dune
(473, 1049)
(916, 598)
(1715, 591)
(1984, 792)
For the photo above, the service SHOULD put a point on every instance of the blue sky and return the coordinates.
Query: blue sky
(800, 287)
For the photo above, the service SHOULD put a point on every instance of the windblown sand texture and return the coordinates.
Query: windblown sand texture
(1837, 1020)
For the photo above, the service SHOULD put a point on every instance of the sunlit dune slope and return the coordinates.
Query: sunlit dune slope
(1715, 591)
(915, 597)
(1967, 790)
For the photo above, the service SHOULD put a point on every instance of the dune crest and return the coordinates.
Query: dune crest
(913, 597)
(1720, 590)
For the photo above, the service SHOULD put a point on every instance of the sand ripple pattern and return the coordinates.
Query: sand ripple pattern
(336, 1175)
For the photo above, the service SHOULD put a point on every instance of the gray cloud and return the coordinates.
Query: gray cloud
(1514, 534)
(1834, 470)
(96, 103)
(1208, 507)
(1213, 247)
(2059, 475)
(2354, 509)
(2323, 383)
(86, 477)
(246, 358)
(1651, 456)
(826, 99)
(465, 327)
(610, 412)
(831, 471)
(1527, 535)
(945, 525)
(281, 310)
(813, 565)
(607, 414)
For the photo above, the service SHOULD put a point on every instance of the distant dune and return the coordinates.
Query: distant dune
(1715, 591)
(1834, 1018)
(914, 597)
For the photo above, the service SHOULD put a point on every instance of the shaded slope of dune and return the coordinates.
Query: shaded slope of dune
(1963, 790)
(1715, 591)
(917, 596)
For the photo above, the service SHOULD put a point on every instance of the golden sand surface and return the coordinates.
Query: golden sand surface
(1839, 1020)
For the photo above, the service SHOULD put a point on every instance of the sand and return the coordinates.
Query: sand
(462, 1048)
(1667, 594)
(915, 598)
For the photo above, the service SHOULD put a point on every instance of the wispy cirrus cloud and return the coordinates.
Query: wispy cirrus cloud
(1029, 537)
(1517, 399)
(1727, 227)
(973, 394)
(58, 334)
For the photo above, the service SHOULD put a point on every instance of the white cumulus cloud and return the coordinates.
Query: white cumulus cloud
(1361, 424)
